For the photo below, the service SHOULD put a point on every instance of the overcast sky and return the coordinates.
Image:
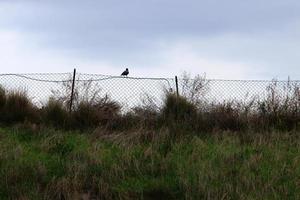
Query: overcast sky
(232, 39)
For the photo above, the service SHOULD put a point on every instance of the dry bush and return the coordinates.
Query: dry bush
(92, 114)
(2, 97)
(179, 114)
(56, 114)
(280, 110)
(146, 115)
(90, 107)
(2, 103)
(194, 89)
(226, 116)
(18, 108)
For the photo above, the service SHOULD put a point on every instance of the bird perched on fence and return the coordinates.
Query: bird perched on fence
(125, 73)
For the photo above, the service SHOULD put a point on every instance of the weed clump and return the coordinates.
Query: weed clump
(2, 103)
(56, 114)
(17, 107)
(101, 112)
(179, 113)
(225, 116)
(279, 112)
(2, 97)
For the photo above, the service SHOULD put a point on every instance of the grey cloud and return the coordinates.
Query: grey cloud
(130, 31)
(151, 18)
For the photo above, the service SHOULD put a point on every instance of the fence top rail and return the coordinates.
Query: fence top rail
(34, 74)
(253, 80)
(107, 77)
(129, 77)
(25, 76)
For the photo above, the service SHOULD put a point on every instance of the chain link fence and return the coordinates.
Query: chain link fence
(219, 91)
(132, 91)
(129, 92)
(39, 87)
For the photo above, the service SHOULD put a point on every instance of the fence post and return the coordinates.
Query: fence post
(72, 92)
(176, 82)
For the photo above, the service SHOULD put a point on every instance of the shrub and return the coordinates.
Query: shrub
(2, 98)
(279, 111)
(2, 103)
(90, 108)
(194, 89)
(55, 114)
(85, 115)
(102, 111)
(146, 115)
(178, 112)
(18, 108)
(225, 116)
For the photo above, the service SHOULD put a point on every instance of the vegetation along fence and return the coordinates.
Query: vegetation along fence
(133, 92)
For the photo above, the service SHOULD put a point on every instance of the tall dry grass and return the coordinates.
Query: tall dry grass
(188, 113)
(147, 164)
(15, 107)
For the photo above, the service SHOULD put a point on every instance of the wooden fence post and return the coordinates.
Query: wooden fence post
(72, 92)
(176, 82)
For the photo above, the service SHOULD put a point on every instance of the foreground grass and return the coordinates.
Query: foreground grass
(50, 164)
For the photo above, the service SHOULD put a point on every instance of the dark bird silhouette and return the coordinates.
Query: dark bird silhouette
(125, 73)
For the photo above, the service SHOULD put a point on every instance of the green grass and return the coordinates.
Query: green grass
(49, 164)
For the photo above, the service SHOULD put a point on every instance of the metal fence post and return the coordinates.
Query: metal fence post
(72, 92)
(176, 82)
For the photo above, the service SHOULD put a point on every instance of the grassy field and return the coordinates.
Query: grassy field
(140, 164)
(185, 149)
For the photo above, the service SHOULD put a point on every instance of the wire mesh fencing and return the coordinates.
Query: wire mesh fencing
(218, 91)
(129, 92)
(39, 87)
(132, 92)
